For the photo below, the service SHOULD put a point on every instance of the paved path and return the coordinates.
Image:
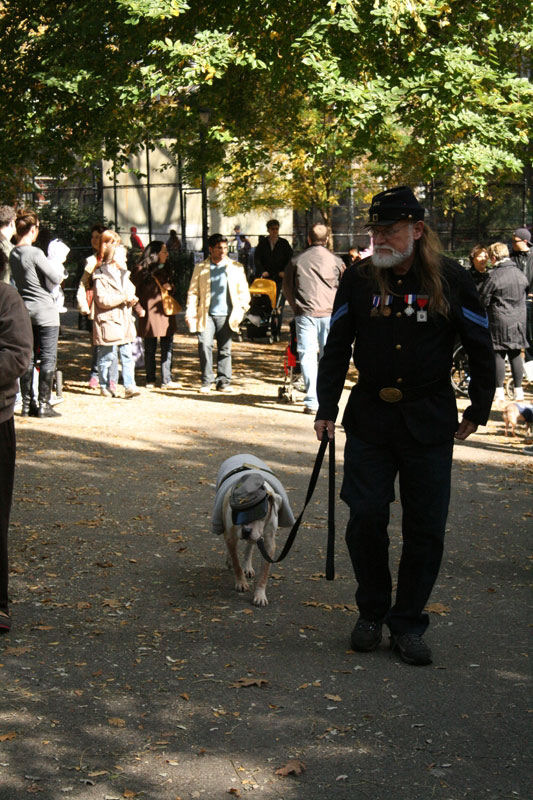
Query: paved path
(134, 670)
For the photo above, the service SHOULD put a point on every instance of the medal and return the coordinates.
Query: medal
(409, 299)
(386, 310)
(376, 300)
(422, 314)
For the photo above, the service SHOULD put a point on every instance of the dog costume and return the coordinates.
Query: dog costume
(231, 471)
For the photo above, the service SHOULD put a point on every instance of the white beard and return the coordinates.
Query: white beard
(384, 256)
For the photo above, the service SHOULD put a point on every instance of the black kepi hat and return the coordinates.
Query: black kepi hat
(248, 499)
(393, 205)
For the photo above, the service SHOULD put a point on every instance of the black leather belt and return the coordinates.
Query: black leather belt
(395, 394)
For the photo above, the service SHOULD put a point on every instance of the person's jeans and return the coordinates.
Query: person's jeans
(311, 335)
(45, 340)
(368, 489)
(107, 354)
(216, 328)
(150, 350)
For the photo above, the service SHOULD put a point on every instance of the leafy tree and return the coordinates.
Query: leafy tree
(305, 98)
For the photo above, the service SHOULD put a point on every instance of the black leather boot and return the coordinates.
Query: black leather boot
(45, 392)
(29, 406)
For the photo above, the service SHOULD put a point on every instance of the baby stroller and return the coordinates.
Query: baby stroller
(261, 318)
(291, 366)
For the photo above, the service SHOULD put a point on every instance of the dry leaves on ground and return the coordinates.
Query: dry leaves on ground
(244, 683)
(117, 722)
(292, 767)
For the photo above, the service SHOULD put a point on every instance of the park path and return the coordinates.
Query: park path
(134, 670)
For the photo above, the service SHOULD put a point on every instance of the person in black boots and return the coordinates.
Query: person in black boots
(16, 341)
(29, 269)
(403, 307)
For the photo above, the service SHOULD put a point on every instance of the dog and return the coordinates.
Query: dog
(512, 417)
(250, 503)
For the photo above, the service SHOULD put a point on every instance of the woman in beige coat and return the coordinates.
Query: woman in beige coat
(113, 325)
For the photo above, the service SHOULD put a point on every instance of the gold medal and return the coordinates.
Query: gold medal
(386, 311)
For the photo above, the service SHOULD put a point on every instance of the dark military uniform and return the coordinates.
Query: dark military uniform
(401, 418)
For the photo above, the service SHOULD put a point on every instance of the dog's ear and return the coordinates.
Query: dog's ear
(277, 500)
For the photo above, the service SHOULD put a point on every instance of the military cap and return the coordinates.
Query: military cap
(393, 205)
(248, 499)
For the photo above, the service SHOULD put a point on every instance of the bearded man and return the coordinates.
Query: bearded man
(404, 307)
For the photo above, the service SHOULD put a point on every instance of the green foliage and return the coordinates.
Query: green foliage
(72, 221)
(305, 98)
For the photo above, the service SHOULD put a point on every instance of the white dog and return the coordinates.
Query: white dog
(250, 503)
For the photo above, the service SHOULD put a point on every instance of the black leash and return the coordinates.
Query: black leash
(330, 556)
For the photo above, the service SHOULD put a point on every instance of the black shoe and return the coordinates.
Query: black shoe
(366, 635)
(411, 647)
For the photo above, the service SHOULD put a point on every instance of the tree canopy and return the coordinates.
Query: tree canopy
(305, 99)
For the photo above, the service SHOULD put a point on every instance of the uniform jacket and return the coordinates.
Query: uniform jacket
(504, 296)
(311, 280)
(272, 259)
(238, 462)
(16, 344)
(397, 350)
(199, 295)
(155, 323)
(114, 295)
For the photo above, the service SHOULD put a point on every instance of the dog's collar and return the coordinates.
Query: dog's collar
(243, 468)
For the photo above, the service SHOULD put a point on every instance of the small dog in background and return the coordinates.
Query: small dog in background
(513, 415)
(250, 503)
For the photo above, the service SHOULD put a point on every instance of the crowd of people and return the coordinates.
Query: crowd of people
(398, 308)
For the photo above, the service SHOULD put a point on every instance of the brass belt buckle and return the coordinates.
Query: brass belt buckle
(390, 394)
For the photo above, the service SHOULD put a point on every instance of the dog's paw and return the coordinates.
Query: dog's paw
(249, 571)
(260, 598)
(241, 586)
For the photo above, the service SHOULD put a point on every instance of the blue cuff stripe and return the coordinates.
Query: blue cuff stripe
(340, 312)
(478, 319)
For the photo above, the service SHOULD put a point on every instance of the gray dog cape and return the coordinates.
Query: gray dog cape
(231, 471)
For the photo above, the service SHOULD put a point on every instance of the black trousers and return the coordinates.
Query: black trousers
(368, 489)
(7, 475)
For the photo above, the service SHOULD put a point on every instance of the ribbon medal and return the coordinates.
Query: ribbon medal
(376, 300)
(409, 300)
(386, 310)
(422, 314)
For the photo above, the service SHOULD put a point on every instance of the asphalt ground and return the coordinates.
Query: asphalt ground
(133, 668)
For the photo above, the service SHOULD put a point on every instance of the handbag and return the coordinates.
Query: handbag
(170, 304)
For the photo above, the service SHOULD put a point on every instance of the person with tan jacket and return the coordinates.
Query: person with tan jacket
(217, 301)
(113, 325)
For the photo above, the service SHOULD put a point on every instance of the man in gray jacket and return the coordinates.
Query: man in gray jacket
(310, 285)
(16, 342)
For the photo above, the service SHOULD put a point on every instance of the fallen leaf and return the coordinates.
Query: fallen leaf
(16, 651)
(234, 792)
(438, 608)
(6, 737)
(292, 767)
(334, 697)
(246, 682)
(117, 722)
